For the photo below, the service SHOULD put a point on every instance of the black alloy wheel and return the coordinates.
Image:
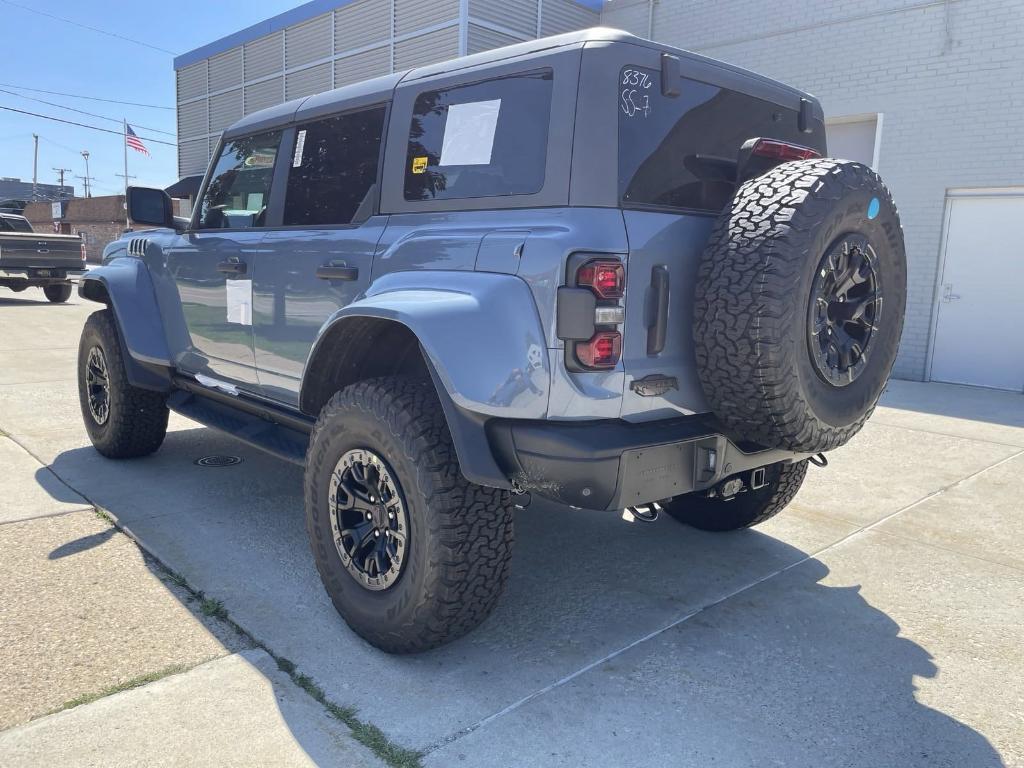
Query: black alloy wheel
(97, 382)
(844, 310)
(369, 520)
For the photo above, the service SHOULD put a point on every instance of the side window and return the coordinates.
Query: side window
(480, 140)
(334, 169)
(239, 187)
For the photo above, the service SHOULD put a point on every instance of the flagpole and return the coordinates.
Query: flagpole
(127, 218)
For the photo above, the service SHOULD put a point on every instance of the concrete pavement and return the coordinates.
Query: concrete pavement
(877, 621)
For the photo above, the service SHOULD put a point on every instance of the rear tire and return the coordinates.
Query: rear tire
(411, 554)
(713, 513)
(123, 421)
(57, 294)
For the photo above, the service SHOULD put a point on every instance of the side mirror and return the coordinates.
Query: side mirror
(150, 206)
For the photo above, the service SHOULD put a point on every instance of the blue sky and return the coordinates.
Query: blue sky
(44, 53)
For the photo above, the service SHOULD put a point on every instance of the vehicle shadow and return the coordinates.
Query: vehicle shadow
(791, 671)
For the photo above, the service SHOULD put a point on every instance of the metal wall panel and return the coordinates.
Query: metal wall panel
(361, 23)
(225, 109)
(267, 93)
(411, 15)
(307, 81)
(226, 70)
(264, 56)
(308, 41)
(483, 39)
(192, 157)
(192, 119)
(192, 81)
(516, 15)
(427, 49)
(558, 16)
(362, 66)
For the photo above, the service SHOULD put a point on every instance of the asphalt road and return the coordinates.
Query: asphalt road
(876, 622)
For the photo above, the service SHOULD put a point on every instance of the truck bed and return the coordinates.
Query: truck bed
(32, 250)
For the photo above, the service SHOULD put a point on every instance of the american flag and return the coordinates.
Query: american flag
(134, 141)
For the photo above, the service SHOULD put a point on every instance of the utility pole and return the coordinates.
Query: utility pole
(60, 173)
(87, 178)
(35, 167)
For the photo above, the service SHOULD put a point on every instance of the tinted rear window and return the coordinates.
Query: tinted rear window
(14, 224)
(480, 140)
(679, 152)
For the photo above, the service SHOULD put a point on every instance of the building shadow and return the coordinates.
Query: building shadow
(957, 401)
(789, 672)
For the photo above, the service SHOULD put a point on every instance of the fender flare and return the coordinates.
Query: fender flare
(482, 341)
(124, 284)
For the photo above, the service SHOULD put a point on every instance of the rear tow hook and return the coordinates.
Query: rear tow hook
(644, 513)
(818, 460)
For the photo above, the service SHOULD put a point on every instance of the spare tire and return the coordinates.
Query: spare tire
(799, 305)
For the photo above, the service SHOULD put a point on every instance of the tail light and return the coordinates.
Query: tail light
(606, 278)
(782, 150)
(602, 351)
(83, 252)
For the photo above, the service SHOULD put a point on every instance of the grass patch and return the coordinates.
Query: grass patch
(102, 514)
(135, 682)
(215, 608)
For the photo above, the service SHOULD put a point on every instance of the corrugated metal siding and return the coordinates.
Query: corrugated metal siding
(192, 157)
(308, 41)
(264, 56)
(192, 81)
(361, 23)
(226, 70)
(483, 39)
(559, 16)
(516, 15)
(308, 81)
(192, 119)
(362, 66)
(264, 94)
(411, 15)
(427, 49)
(225, 109)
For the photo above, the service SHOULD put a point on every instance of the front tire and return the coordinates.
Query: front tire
(123, 421)
(745, 509)
(411, 554)
(57, 294)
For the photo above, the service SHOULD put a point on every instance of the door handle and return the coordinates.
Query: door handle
(657, 323)
(337, 272)
(232, 267)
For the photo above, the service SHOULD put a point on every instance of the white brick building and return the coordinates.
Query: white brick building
(933, 93)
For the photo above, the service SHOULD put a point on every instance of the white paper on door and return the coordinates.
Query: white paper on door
(469, 133)
(239, 301)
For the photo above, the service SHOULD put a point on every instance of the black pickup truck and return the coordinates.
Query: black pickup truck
(29, 259)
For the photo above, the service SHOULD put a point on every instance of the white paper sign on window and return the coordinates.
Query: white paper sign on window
(469, 133)
(239, 301)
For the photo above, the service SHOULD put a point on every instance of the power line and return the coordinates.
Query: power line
(81, 111)
(92, 29)
(89, 98)
(83, 125)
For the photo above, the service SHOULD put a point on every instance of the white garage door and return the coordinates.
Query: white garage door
(979, 331)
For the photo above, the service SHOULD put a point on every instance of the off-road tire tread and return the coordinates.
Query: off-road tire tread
(755, 255)
(473, 522)
(137, 423)
(57, 294)
(750, 513)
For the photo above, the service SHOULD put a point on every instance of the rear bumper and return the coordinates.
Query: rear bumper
(41, 275)
(614, 464)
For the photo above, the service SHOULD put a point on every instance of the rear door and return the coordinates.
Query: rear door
(320, 258)
(213, 263)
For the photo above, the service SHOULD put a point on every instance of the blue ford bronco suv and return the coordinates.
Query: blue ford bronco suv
(591, 268)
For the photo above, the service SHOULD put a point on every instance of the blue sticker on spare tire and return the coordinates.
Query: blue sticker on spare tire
(873, 207)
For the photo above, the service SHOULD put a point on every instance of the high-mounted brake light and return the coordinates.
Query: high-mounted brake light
(601, 351)
(782, 150)
(606, 278)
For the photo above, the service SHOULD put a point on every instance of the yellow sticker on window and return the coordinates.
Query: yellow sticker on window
(419, 164)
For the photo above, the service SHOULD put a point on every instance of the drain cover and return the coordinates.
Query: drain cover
(219, 461)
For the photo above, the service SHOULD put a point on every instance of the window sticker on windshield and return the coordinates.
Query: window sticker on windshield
(469, 133)
(419, 164)
(300, 144)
